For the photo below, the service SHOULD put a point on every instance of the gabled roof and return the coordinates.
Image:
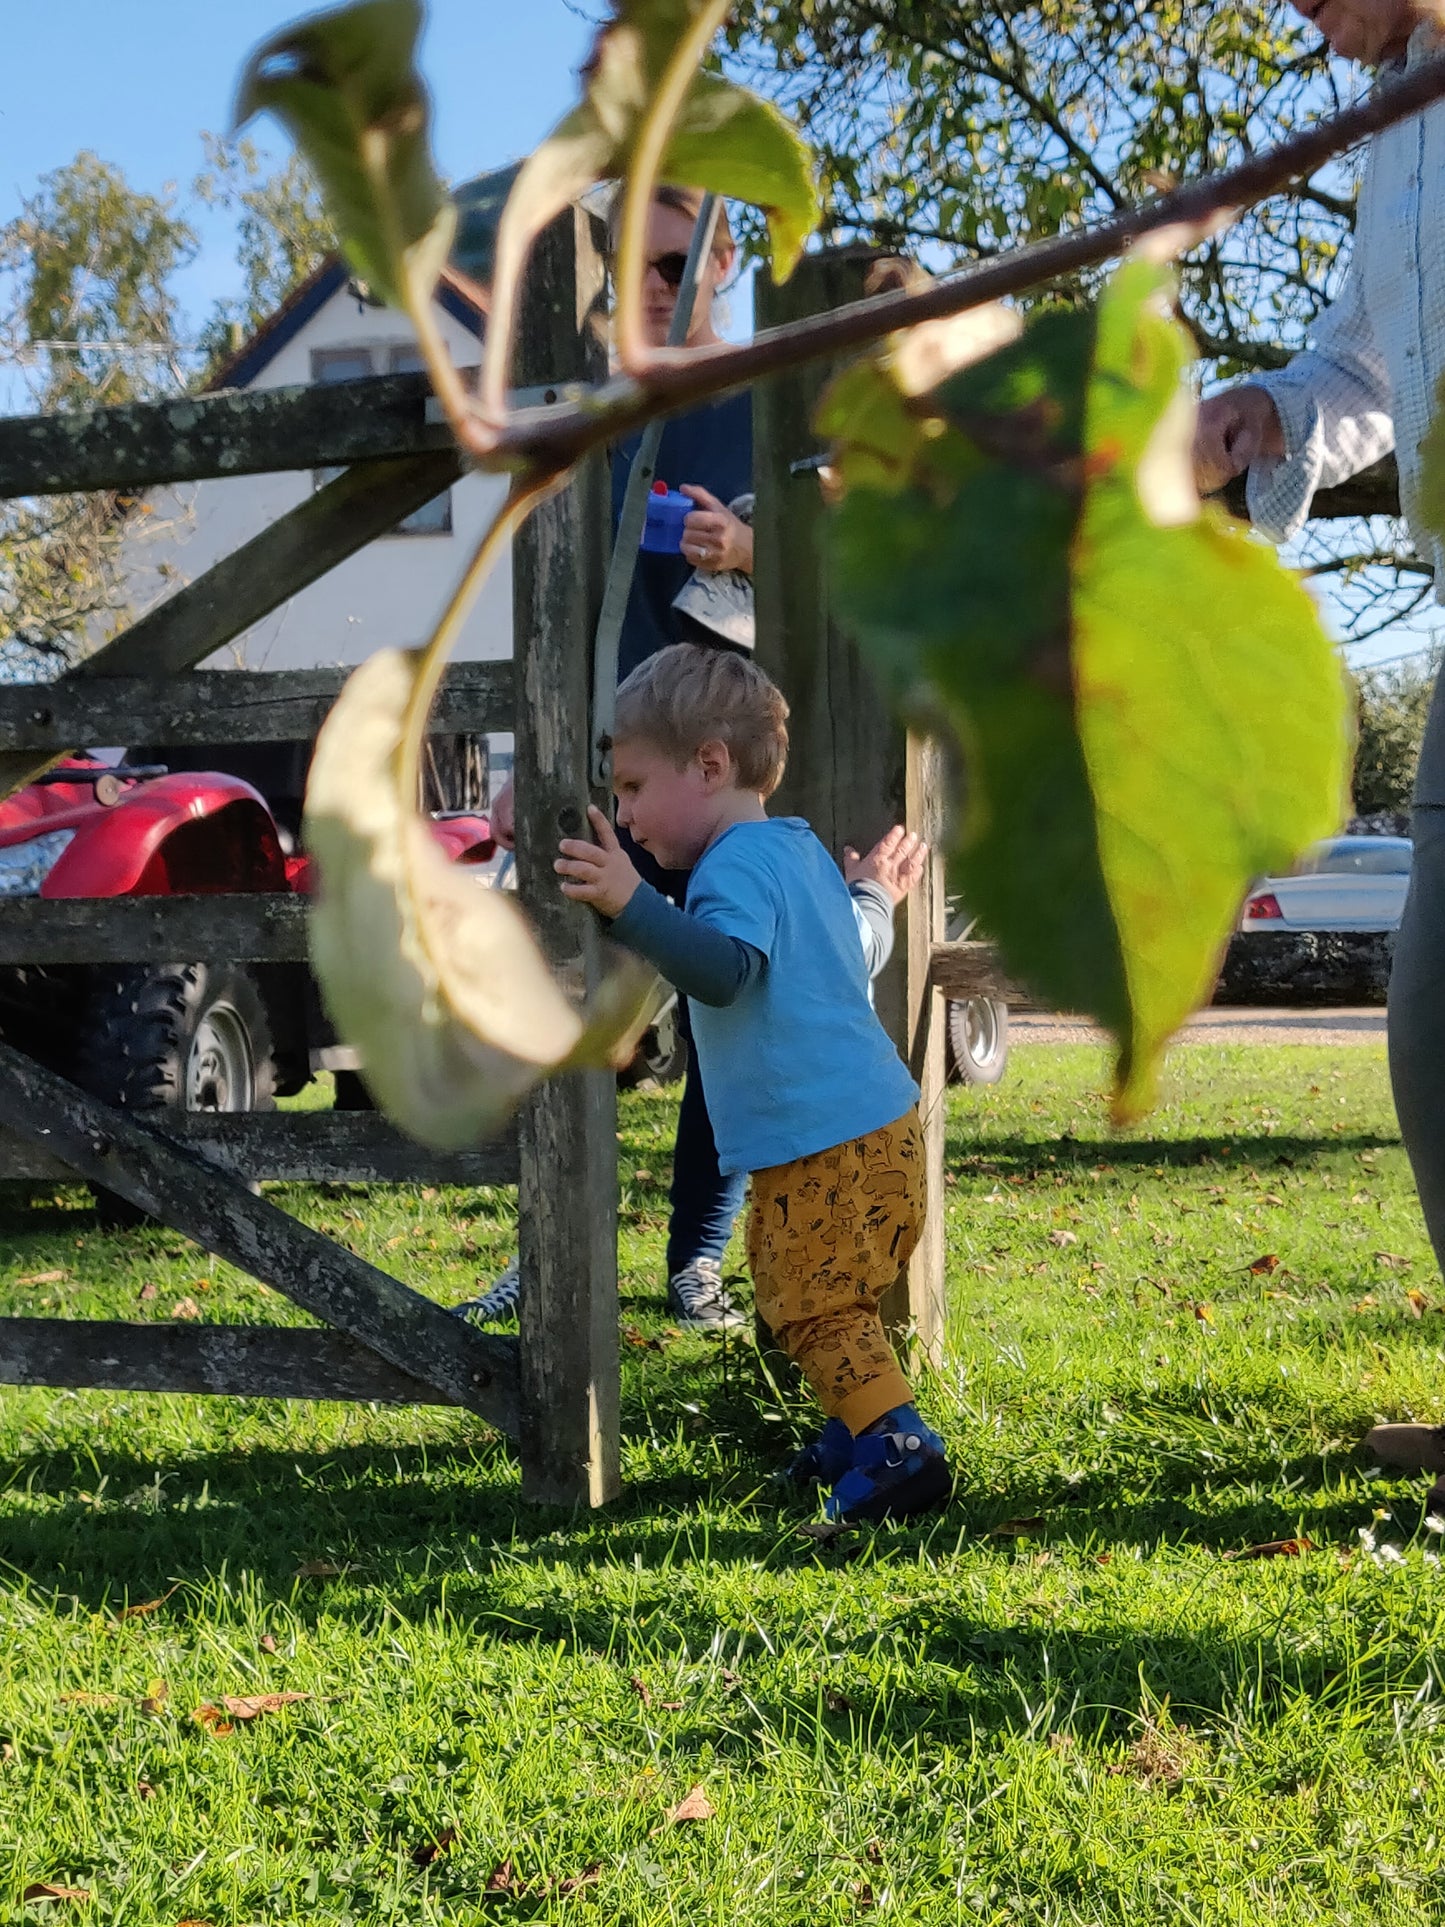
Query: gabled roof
(464, 299)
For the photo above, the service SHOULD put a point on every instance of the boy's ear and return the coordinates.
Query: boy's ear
(715, 760)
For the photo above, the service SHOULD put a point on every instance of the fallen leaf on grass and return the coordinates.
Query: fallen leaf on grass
(267, 1643)
(873, 1853)
(863, 1895)
(1269, 1262)
(89, 1699)
(1273, 1549)
(43, 1890)
(43, 1278)
(835, 1701)
(1367, 1303)
(502, 1880)
(144, 1790)
(642, 1690)
(430, 1850)
(146, 1605)
(1204, 1313)
(1015, 1529)
(190, 1921)
(320, 1569)
(1063, 1238)
(185, 1308)
(156, 1695)
(824, 1532)
(695, 1805)
(241, 1707)
(1392, 1261)
(1417, 1301)
(635, 1335)
(670, 1706)
(147, 1292)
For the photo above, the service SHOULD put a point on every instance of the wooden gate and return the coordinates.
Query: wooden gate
(554, 1388)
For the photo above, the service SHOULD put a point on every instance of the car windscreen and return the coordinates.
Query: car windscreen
(1359, 856)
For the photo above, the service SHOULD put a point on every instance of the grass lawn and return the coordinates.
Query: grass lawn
(1058, 1702)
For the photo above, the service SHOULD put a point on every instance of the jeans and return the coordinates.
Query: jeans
(705, 1204)
(1417, 986)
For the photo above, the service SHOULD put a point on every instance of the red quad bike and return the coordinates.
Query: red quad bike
(188, 1036)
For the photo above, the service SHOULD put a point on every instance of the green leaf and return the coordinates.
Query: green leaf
(1149, 711)
(725, 140)
(346, 87)
(434, 977)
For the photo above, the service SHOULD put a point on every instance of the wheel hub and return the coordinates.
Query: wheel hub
(220, 1067)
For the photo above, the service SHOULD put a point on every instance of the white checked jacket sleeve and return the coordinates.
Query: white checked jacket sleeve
(1367, 382)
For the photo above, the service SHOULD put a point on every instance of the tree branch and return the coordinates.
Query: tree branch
(553, 438)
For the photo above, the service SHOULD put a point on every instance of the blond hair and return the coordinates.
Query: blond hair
(682, 200)
(686, 696)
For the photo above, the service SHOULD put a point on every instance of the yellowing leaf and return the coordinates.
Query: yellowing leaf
(433, 976)
(345, 85)
(724, 140)
(44, 1890)
(1146, 706)
(251, 1706)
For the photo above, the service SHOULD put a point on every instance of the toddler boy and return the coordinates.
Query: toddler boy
(804, 1088)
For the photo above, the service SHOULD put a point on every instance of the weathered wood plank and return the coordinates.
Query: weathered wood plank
(113, 1148)
(306, 1147)
(567, 1194)
(224, 1361)
(234, 706)
(362, 503)
(235, 432)
(918, 1304)
(960, 970)
(268, 927)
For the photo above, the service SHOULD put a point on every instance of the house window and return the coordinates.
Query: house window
(355, 364)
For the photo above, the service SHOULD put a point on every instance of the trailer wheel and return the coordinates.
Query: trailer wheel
(184, 1037)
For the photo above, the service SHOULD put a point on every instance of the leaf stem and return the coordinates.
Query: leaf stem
(648, 150)
(522, 498)
(671, 380)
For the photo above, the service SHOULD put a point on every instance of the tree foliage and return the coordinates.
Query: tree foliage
(283, 234)
(1393, 703)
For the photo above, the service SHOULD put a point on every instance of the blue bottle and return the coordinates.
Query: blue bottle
(666, 513)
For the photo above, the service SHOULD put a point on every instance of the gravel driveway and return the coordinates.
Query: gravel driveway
(1231, 1025)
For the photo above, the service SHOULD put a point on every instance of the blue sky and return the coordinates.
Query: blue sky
(139, 80)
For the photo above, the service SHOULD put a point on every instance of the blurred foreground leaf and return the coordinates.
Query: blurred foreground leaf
(433, 976)
(346, 87)
(1148, 710)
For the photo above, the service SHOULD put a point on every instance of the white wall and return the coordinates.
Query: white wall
(390, 593)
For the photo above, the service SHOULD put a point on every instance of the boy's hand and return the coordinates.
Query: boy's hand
(896, 861)
(601, 873)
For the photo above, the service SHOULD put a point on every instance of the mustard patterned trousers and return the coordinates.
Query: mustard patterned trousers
(827, 1235)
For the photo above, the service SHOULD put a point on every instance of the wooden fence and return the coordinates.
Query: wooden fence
(555, 1387)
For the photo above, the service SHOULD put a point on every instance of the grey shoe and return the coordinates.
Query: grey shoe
(1417, 1448)
(498, 1303)
(697, 1299)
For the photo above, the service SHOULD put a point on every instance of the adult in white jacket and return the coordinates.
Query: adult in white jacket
(1365, 385)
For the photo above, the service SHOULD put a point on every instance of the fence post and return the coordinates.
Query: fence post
(851, 772)
(567, 1192)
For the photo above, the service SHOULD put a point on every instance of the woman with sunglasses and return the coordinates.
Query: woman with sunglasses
(706, 455)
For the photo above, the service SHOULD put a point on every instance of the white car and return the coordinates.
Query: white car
(1350, 883)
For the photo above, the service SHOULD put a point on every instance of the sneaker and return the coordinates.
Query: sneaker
(697, 1300)
(824, 1461)
(497, 1304)
(1418, 1448)
(899, 1468)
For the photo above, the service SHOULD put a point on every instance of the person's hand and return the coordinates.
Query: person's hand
(713, 539)
(503, 816)
(600, 873)
(1234, 430)
(896, 861)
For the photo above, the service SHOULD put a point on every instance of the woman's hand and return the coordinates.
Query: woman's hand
(601, 873)
(713, 539)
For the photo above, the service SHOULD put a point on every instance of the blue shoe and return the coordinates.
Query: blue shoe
(899, 1469)
(824, 1461)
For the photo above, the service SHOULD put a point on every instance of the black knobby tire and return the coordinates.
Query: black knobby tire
(978, 1039)
(180, 1037)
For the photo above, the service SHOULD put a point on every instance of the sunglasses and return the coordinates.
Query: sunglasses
(671, 267)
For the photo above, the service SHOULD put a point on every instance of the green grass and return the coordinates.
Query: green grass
(1101, 1721)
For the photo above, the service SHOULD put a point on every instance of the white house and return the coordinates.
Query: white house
(392, 591)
